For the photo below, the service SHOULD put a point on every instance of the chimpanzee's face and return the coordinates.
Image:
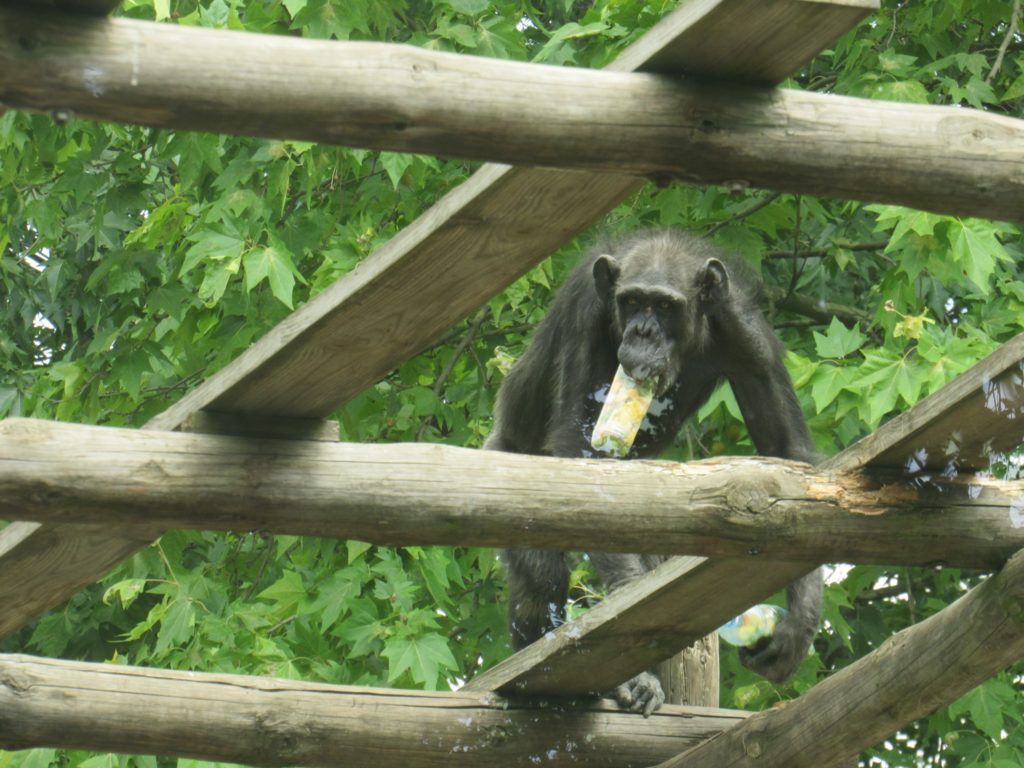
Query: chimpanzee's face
(658, 305)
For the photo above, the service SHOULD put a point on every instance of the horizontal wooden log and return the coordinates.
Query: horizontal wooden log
(400, 98)
(268, 722)
(961, 427)
(468, 246)
(638, 626)
(911, 675)
(435, 494)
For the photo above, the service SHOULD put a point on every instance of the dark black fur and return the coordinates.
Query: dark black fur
(663, 304)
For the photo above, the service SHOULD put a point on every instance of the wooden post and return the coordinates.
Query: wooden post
(692, 676)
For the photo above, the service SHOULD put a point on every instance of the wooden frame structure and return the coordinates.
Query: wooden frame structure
(269, 405)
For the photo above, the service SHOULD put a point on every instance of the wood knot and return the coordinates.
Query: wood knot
(748, 497)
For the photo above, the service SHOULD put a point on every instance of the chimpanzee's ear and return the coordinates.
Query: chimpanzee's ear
(713, 280)
(606, 272)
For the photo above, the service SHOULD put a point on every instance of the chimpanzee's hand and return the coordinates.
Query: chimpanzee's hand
(779, 656)
(641, 694)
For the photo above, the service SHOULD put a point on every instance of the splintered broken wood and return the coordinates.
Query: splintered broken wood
(474, 241)
(637, 626)
(751, 507)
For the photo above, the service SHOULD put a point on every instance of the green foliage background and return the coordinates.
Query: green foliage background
(134, 263)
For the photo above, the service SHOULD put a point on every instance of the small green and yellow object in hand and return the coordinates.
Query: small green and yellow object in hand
(622, 414)
(752, 625)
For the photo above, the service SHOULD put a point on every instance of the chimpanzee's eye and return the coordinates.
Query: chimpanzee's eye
(665, 306)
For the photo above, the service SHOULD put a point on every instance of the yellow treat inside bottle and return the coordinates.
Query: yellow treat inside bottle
(622, 414)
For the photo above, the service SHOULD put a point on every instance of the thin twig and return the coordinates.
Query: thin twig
(467, 340)
(744, 213)
(816, 253)
(1010, 32)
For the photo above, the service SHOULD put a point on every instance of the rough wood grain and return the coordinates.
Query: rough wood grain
(34, 555)
(961, 427)
(637, 626)
(912, 674)
(399, 97)
(726, 44)
(693, 677)
(416, 493)
(268, 722)
(471, 244)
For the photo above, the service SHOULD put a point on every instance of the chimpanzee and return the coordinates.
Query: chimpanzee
(664, 305)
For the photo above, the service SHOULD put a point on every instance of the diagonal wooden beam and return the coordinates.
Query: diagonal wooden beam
(959, 428)
(473, 242)
(637, 626)
(911, 675)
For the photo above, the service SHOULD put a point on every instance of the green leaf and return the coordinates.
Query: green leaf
(37, 758)
(356, 549)
(978, 93)
(839, 341)
(274, 265)
(423, 657)
(986, 705)
(977, 249)
(100, 761)
(468, 7)
(212, 244)
(1016, 89)
(896, 64)
(287, 592)
(828, 381)
(125, 591)
(215, 281)
(177, 626)
(902, 90)
(294, 6)
(396, 164)
(722, 395)
(334, 596)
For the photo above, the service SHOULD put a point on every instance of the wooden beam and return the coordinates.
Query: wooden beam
(913, 673)
(637, 626)
(745, 41)
(272, 722)
(473, 242)
(959, 428)
(415, 493)
(398, 97)
(45, 564)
